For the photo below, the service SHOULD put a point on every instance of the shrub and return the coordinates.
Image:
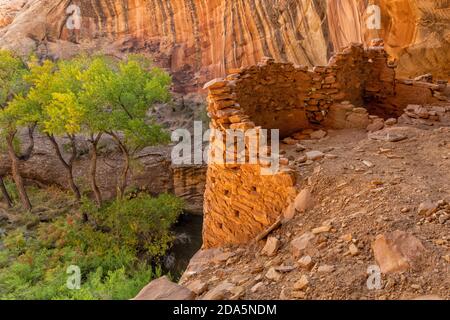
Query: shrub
(118, 251)
(142, 223)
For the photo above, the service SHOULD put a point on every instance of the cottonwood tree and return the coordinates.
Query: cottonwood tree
(12, 89)
(63, 118)
(52, 103)
(93, 98)
(129, 89)
(70, 99)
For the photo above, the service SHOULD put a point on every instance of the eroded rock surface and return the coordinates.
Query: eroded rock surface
(199, 40)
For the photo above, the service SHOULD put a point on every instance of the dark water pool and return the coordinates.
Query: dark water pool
(188, 241)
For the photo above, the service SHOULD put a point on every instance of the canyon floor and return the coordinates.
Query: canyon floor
(362, 186)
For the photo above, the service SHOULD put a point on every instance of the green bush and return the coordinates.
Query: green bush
(118, 251)
(143, 223)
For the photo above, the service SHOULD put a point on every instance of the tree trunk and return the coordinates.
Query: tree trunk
(16, 172)
(122, 180)
(72, 185)
(93, 169)
(122, 183)
(5, 193)
(68, 165)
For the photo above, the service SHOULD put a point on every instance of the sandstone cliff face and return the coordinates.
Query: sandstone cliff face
(199, 40)
(9, 10)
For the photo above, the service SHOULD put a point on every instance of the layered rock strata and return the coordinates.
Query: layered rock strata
(199, 40)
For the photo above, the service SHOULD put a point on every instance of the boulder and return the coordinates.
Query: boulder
(301, 244)
(198, 287)
(289, 141)
(336, 117)
(354, 251)
(273, 274)
(315, 155)
(319, 134)
(326, 269)
(357, 120)
(302, 283)
(427, 208)
(376, 125)
(289, 212)
(304, 201)
(387, 136)
(271, 247)
(306, 262)
(164, 289)
(257, 287)
(221, 292)
(322, 229)
(397, 251)
(201, 261)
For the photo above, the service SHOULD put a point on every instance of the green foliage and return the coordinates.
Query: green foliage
(13, 72)
(120, 247)
(142, 223)
(87, 94)
(52, 100)
(140, 134)
(94, 96)
(118, 251)
(65, 115)
(129, 92)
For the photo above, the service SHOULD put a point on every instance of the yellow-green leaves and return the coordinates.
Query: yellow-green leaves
(12, 86)
(84, 95)
(64, 115)
(157, 88)
(12, 72)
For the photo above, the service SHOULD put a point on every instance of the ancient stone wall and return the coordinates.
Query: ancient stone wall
(270, 95)
(407, 92)
(239, 201)
(289, 97)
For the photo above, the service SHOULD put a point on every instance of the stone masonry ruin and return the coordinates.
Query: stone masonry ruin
(240, 203)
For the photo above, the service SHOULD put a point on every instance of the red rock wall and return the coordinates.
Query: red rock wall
(199, 40)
